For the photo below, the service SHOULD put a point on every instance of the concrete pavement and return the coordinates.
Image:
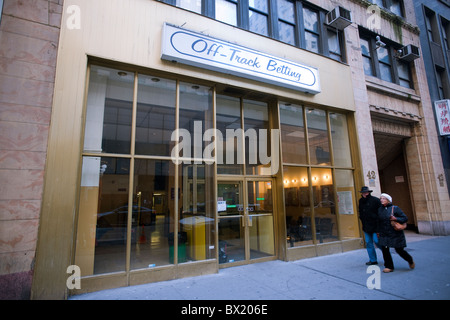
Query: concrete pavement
(342, 276)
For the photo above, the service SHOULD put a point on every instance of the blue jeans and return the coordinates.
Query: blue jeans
(371, 241)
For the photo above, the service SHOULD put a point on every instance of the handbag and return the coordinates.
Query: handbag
(397, 225)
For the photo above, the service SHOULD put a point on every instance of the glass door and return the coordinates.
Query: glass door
(259, 218)
(245, 217)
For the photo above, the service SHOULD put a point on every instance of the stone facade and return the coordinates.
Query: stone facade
(29, 34)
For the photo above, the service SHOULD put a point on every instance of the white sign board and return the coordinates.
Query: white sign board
(198, 50)
(221, 206)
(442, 108)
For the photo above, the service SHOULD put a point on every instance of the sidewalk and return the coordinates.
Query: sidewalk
(341, 276)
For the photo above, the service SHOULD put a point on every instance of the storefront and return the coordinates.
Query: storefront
(162, 167)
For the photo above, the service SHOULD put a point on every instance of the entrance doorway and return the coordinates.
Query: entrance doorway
(246, 220)
(393, 172)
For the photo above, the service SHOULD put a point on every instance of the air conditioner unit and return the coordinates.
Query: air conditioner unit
(409, 53)
(339, 18)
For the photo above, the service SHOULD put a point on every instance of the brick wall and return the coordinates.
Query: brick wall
(29, 33)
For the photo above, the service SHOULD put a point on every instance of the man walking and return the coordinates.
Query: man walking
(368, 213)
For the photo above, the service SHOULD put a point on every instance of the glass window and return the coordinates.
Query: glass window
(340, 140)
(196, 116)
(258, 16)
(429, 22)
(319, 149)
(109, 111)
(324, 205)
(257, 137)
(196, 206)
(226, 11)
(347, 205)
(334, 46)
(155, 116)
(261, 5)
(153, 210)
(286, 21)
(404, 74)
(112, 214)
(385, 64)
(286, 10)
(228, 124)
(192, 5)
(261, 233)
(297, 204)
(380, 3)
(445, 26)
(311, 24)
(103, 216)
(396, 7)
(292, 133)
(367, 59)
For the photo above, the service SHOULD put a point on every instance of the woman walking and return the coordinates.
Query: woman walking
(388, 236)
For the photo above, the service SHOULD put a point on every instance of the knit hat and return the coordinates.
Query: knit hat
(386, 196)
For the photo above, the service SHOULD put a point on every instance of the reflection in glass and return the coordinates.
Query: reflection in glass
(324, 205)
(103, 216)
(228, 123)
(286, 32)
(192, 5)
(297, 206)
(319, 149)
(385, 61)
(312, 42)
(109, 111)
(396, 7)
(257, 137)
(196, 116)
(226, 11)
(260, 219)
(292, 133)
(333, 45)
(403, 74)
(261, 5)
(153, 219)
(310, 19)
(196, 211)
(348, 217)
(231, 229)
(340, 140)
(155, 120)
(286, 10)
(385, 72)
(367, 61)
(258, 23)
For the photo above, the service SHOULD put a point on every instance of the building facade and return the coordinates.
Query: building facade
(433, 18)
(186, 136)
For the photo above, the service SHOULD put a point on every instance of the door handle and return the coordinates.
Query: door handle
(247, 221)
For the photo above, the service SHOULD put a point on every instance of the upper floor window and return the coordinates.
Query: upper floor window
(286, 21)
(226, 11)
(430, 23)
(381, 62)
(445, 25)
(367, 57)
(192, 5)
(311, 25)
(290, 21)
(258, 14)
(395, 6)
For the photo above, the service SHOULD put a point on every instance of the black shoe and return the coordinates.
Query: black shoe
(370, 263)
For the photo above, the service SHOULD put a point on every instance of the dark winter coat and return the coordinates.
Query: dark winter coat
(389, 237)
(368, 213)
